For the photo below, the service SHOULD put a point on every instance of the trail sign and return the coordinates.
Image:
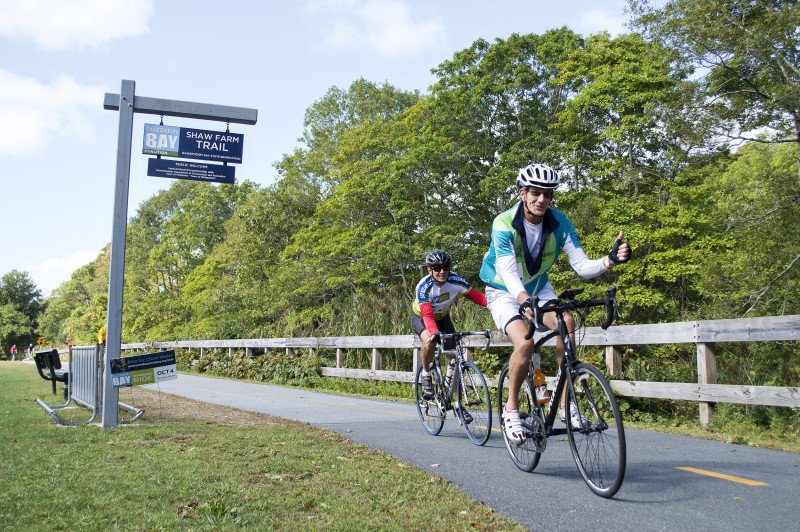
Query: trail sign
(191, 143)
(40, 341)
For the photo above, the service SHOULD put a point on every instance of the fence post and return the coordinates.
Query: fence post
(416, 359)
(469, 354)
(231, 351)
(706, 374)
(339, 356)
(289, 352)
(613, 361)
(248, 351)
(377, 359)
(202, 352)
(312, 351)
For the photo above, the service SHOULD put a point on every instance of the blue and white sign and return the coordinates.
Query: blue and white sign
(211, 145)
(189, 143)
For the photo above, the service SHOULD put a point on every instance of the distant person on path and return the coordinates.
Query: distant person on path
(433, 296)
(13, 352)
(526, 241)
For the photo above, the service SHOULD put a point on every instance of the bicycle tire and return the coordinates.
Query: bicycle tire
(477, 402)
(430, 413)
(598, 447)
(524, 455)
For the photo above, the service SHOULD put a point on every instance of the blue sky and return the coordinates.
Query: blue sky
(59, 57)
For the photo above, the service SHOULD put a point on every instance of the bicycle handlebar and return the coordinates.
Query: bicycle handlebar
(610, 302)
(456, 335)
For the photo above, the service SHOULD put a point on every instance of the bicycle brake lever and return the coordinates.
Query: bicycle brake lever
(616, 307)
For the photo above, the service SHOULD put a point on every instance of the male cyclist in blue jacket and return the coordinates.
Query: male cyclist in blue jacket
(526, 241)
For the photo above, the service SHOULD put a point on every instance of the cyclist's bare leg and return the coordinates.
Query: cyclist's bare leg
(428, 349)
(519, 361)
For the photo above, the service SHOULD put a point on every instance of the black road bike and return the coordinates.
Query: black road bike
(596, 436)
(467, 394)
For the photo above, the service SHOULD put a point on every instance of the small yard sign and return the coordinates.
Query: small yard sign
(143, 369)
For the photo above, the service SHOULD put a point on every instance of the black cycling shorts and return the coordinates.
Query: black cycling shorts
(445, 326)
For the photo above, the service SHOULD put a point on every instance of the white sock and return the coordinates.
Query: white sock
(425, 373)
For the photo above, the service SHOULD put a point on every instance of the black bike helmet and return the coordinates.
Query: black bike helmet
(438, 258)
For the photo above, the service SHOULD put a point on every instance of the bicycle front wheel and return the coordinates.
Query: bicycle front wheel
(595, 431)
(476, 404)
(430, 413)
(524, 455)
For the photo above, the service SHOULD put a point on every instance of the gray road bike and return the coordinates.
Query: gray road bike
(467, 396)
(597, 438)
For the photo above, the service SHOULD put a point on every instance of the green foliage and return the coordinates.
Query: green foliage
(20, 308)
(273, 366)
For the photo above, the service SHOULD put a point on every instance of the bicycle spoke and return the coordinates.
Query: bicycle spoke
(430, 414)
(524, 455)
(598, 446)
(476, 403)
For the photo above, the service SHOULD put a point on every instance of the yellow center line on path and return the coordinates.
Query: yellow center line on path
(725, 477)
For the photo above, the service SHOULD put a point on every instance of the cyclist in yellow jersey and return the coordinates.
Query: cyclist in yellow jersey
(433, 296)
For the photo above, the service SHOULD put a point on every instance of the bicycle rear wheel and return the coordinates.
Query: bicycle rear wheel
(524, 455)
(476, 401)
(430, 413)
(598, 444)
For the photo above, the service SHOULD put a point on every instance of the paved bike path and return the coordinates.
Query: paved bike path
(655, 495)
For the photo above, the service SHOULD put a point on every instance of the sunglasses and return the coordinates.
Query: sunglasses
(548, 194)
(437, 269)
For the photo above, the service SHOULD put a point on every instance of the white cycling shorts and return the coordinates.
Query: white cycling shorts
(505, 307)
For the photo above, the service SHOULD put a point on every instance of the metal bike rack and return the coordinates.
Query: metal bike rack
(85, 386)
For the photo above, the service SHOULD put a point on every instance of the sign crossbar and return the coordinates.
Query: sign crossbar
(201, 111)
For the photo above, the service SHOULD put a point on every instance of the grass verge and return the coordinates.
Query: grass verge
(194, 466)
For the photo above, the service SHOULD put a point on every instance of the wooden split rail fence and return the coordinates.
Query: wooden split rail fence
(704, 334)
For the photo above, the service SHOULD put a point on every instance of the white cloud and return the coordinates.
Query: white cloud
(58, 25)
(51, 273)
(386, 27)
(33, 111)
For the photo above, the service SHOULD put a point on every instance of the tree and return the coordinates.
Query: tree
(20, 307)
(489, 114)
(755, 202)
(233, 292)
(170, 236)
(619, 126)
(77, 308)
(750, 51)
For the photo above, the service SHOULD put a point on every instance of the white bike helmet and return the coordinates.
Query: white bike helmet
(537, 175)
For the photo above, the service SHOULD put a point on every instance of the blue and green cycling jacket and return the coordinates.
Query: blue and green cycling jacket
(508, 239)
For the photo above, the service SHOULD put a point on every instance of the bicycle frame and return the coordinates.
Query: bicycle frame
(563, 376)
(458, 352)
(459, 356)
